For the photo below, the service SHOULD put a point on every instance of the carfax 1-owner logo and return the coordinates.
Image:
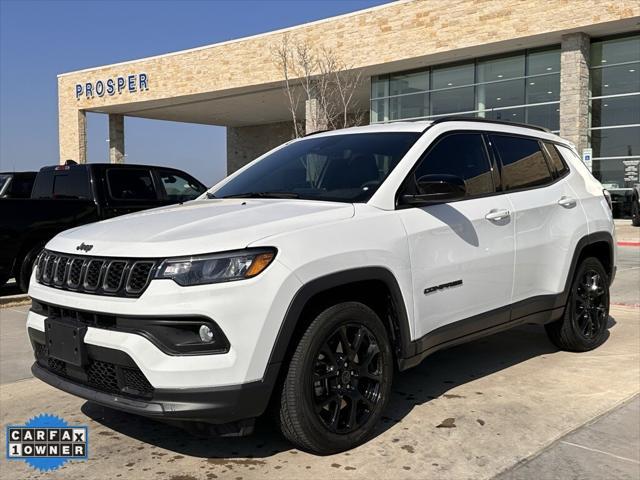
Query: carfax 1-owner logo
(47, 442)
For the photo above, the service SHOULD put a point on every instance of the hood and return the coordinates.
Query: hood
(200, 226)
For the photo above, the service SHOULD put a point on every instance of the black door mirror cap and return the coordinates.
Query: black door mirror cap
(435, 189)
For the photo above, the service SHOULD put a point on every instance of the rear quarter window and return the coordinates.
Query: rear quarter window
(523, 165)
(555, 159)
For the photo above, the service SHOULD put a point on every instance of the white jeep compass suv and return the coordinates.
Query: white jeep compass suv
(305, 279)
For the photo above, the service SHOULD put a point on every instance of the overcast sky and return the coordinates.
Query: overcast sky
(40, 39)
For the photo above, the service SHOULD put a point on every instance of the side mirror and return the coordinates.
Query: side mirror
(434, 189)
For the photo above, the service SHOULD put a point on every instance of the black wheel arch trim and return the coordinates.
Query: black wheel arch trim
(584, 242)
(338, 279)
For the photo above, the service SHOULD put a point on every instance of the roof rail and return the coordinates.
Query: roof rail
(486, 120)
(317, 131)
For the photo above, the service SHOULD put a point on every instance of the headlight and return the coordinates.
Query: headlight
(217, 267)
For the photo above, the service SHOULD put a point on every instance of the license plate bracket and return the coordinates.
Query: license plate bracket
(65, 340)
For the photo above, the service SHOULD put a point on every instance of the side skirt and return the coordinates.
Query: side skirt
(536, 310)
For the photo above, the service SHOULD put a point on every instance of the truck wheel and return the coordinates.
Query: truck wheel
(338, 382)
(635, 212)
(583, 326)
(24, 275)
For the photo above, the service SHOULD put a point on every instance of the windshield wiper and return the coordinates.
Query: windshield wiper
(264, 195)
(210, 196)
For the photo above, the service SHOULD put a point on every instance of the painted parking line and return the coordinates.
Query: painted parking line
(628, 244)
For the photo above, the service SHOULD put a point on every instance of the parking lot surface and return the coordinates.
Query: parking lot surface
(510, 405)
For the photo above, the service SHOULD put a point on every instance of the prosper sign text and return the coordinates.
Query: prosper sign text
(130, 83)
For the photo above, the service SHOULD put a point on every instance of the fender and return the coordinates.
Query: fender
(583, 243)
(337, 279)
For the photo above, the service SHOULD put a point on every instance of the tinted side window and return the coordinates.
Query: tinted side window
(556, 160)
(523, 163)
(179, 188)
(131, 184)
(463, 155)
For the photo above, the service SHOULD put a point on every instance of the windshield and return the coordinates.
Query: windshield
(4, 181)
(343, 168)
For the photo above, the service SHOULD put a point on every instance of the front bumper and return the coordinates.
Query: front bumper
(219, 405)
(112, 379)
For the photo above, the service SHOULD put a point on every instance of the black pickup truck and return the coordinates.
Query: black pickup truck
(66, 196)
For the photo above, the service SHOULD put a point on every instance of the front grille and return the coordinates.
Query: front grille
(103, 376)
(100, 276)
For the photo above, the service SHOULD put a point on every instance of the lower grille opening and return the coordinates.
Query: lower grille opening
(103, 376)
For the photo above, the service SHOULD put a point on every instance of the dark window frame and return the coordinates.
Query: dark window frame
(545, 150)
(495, 164)
(408, 183)
(113, 198)
(552, 177)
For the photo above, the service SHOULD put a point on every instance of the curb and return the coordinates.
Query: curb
(628, 244)
(14, 300)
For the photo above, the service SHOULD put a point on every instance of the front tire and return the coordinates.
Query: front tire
(583, 326)
(26, 267)
(338, 382)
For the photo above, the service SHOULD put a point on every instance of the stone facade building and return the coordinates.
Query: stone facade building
(572, 66)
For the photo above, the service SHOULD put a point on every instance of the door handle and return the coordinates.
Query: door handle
(567, 202)
(496, 215)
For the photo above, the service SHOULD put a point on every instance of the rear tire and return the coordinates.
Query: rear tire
(583, 326)
(26, 267)
(635, 212)
(338, 381)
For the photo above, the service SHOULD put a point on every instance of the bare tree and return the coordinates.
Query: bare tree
(318, 76)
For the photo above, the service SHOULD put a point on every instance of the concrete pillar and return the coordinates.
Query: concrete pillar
(574, 89)
(72, 128)
(245, 144)
(314, 118)
(116, 138)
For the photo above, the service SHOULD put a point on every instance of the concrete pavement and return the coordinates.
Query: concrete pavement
(508, 405)
(469, 412)
(605, 448)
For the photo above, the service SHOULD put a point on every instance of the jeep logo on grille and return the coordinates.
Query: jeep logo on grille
(84, 247)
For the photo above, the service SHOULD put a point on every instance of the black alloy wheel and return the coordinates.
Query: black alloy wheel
(583, 325)
(346, 378)
(338, 381)
(591, 304)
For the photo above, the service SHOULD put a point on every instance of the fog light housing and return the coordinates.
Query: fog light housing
(206, 334)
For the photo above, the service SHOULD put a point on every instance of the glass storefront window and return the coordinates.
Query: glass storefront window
(547, 116)
(452, 76)
(500, 94)
(617, 173)
(522, 87)
(615, 114)
(507, 115)
(615, 142)
(380, 86)
(615, 80)
(379, 110)
(545, 88)
(606, 112)
(543, 61)
(409, 106)
(452, 101)
(497, 69)
(617, 50)
(408, 83)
